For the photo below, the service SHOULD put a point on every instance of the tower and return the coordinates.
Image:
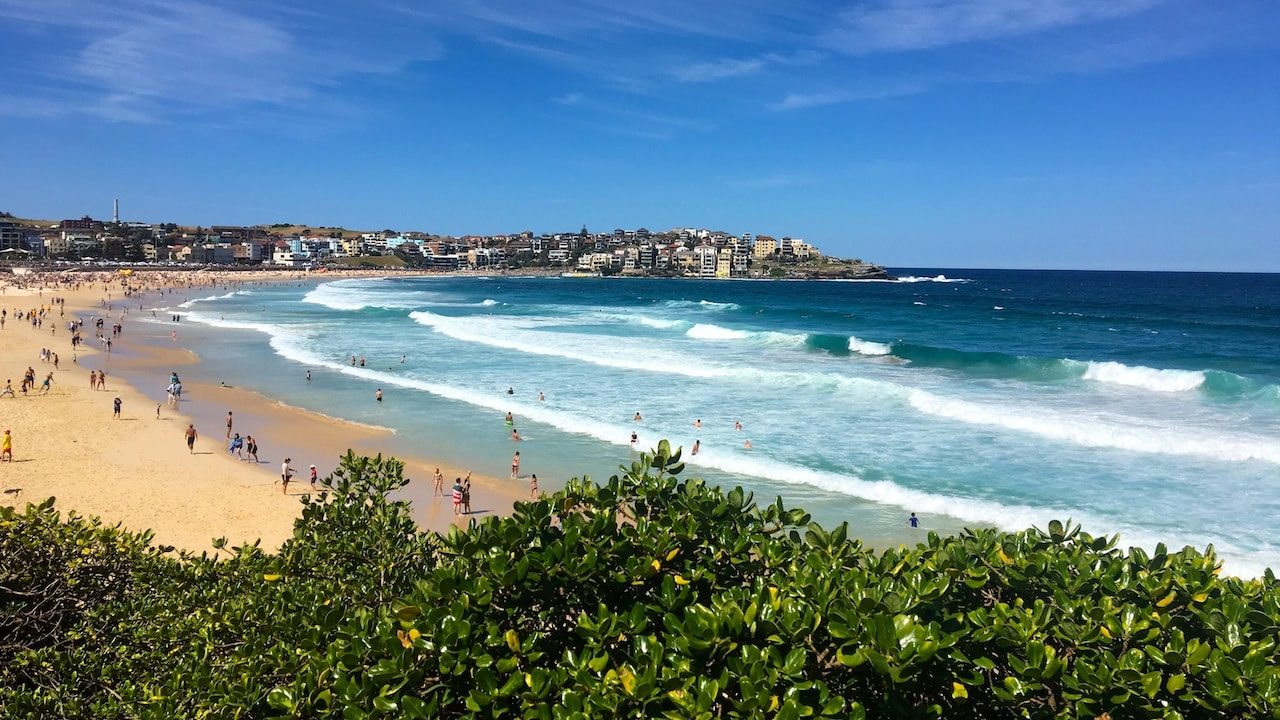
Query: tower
(115, 216)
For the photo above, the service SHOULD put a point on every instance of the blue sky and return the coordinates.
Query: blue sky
(1127, 134)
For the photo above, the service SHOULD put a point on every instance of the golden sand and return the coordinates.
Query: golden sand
(136, 471)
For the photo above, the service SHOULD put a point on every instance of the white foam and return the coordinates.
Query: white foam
(705, 331)
(189, 303)
(867, 347)
(704, 304)
(351, 295)
(1144, 377)
(936, 278)
(1100, 434)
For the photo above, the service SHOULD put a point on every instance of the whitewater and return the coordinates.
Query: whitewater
(1009, 399)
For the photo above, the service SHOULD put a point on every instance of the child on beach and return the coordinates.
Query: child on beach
(115, 405)
(457, 496)
(314, 477)
(6, 447)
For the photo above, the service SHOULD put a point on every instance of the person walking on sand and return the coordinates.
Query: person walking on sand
(115, 408)
(515, 466)
(457, 496)
(157, 411)
(93, 379)
(237, 443)
(44, 386)
(6, 446)
(251, 448)
(102, 380)
(315, 476)
(8, 389)
(228, 423)
(439, 479)
(191, 438)
(286, 474)
(533, 486)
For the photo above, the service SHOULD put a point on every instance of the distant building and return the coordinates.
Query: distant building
(11, 236)
(705, 258)
(765, 247)
(724, 263)
(85, 223)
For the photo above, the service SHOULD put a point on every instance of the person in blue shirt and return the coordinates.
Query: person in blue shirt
(915, 521)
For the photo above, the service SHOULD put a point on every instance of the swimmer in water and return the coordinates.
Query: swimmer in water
(541, 397)
(511, 391)
(697, 445)
(737, 425)
(634, 439)
(697, 423)
(637, 417)
(746, 445)
(510, 418)
(515, 435)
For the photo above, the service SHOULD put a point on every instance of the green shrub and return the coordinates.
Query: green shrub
(646, 596)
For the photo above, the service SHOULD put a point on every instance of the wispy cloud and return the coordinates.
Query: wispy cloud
(718, 70)
(801, 101)
(572, 98)
(898, 25)
(141, 60)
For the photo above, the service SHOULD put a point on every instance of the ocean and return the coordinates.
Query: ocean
(1144, 404)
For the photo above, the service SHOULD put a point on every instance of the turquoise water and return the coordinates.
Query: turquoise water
(1141, 403)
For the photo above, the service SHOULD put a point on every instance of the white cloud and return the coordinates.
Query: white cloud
(802, 101)
(718, 70)
(140, 60)
(897, 25)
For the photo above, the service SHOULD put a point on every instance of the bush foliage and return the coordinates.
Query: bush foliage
(646, 596)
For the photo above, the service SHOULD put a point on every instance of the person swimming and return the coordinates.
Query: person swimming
(511, 391)
(746, 445)
(510, 418)
(515, 435)
(634, 439)
(637, 417)
(697, 445)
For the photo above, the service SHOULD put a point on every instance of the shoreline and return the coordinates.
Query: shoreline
(62, 448)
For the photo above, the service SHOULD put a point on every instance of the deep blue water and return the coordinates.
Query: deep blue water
(1141, 403)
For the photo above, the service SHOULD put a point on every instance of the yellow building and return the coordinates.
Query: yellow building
(765, 247)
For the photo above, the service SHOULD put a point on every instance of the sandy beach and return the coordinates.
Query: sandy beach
(136, 470)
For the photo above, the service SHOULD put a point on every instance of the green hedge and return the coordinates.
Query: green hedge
(646, 596)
